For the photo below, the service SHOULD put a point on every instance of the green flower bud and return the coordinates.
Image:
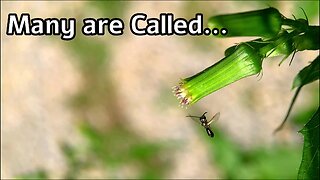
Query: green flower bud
(262, 23)
(308, 40)
(243, 62)
(280, 45)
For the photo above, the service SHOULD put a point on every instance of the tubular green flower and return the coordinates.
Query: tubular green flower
(243, 62)
(262, 23)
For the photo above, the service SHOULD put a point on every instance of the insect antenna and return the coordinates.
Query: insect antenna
(193, 116)
(204, 114)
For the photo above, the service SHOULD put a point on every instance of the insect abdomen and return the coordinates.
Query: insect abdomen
(209, 132)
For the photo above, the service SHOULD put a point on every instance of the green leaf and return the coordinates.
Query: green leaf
(309, 168)
(307, 74)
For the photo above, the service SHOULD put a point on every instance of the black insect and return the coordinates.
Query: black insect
(205, 123)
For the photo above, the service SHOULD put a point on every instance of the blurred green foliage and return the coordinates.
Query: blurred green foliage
(280, 161)
(74, 163)
(117, 148)
(92, 62)
(309, 168)
(40, 174)
(112, 150)
(301, 116)
(310, 7)
(110, 8)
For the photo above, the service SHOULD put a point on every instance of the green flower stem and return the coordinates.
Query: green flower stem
(282, 45)
(243, 62)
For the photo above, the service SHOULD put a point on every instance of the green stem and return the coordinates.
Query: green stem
(265, 51)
